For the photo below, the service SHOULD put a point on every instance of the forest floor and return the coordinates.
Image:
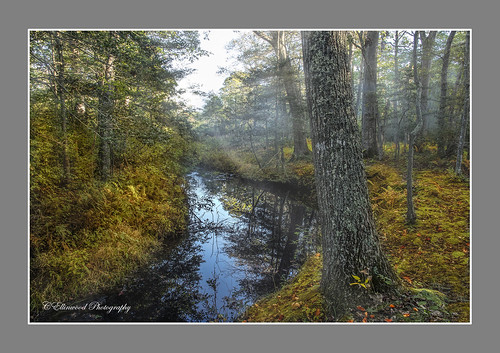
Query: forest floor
(431, 257)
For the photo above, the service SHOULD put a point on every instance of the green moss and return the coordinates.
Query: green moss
(298, 301)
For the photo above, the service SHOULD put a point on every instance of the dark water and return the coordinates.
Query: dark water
(244, 240)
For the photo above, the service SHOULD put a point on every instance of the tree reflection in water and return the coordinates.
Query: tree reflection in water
(244, 240)
(258, 236)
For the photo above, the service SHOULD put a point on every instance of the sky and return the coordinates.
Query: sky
(205, 78)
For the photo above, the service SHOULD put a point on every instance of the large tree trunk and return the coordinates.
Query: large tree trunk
(444, 130)
(464, 126)
(370, 105)
(293, 96)
(350, 242)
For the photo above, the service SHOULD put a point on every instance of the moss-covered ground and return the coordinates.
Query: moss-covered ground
(432, 256)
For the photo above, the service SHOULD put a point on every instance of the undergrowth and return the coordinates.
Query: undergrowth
(432, 256)
(87, 235)
(263, 165)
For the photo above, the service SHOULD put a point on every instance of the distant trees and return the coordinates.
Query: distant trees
(464, 121)
(425, 75)
(411, 216)
(370, 113)
(261, 109)
(443, 100)
(293, 96)
(350, 242)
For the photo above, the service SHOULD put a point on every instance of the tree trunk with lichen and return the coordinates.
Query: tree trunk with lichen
(351, 246)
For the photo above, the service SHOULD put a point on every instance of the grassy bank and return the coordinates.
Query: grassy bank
(263, 165)
(432, 257)
(87, 235)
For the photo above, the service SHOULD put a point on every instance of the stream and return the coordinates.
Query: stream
(244, 240)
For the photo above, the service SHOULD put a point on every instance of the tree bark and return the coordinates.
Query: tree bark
(350, 243)
(105, 118)
(411, 216)
(395, 102)
(60, 90)
(370, 104)
(427, 45)
(466, 108)
(444, 131)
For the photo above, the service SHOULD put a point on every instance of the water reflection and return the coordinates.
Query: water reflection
(244, 240)
(258, 237)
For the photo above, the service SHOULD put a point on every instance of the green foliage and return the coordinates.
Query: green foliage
(362, 283)
(87, 234)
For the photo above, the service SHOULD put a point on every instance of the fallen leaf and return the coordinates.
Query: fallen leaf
(350, 320)
(388, 320)
(392, 306)
(406, 314)
(364, 319)
(317, 312)
(415, 309)
(360, 308)
(244, 321)
(372, 316)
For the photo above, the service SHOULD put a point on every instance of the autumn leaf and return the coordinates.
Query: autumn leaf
(415, 309)
(364, 319)
(388, 320)
(317, 312)
(406, 314)
(360, 308)
(372, 316)
(392, 306)
(350, 320)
